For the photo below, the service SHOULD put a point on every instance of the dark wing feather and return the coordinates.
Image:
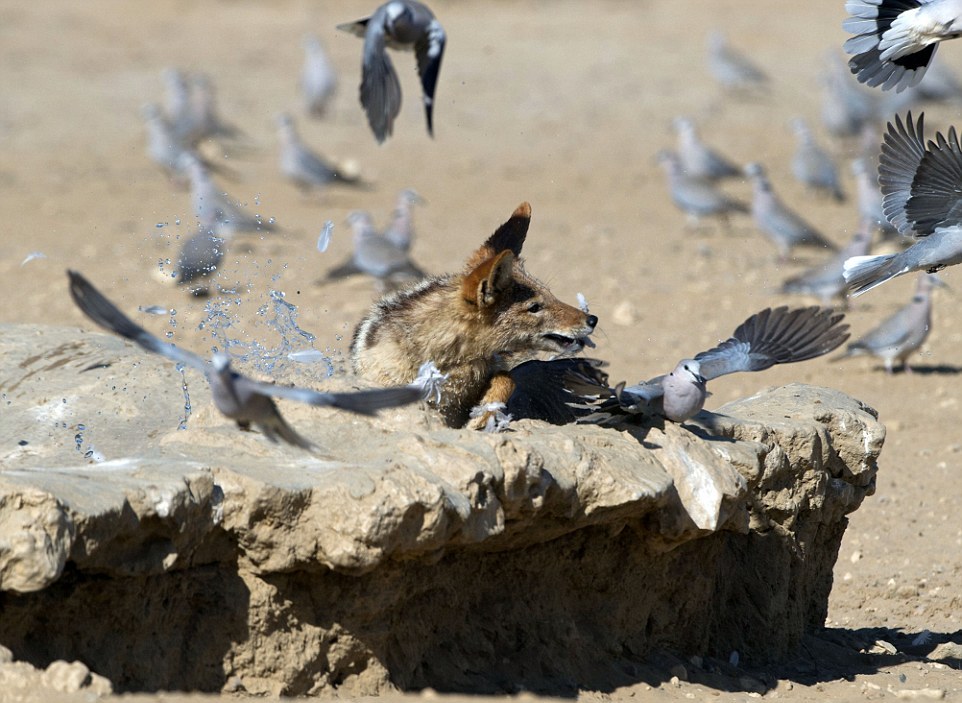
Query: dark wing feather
(903, 149)
(937, 190)
(775, 336)
(557, 391)
(365, 402)
(429, 51)
(95, 306)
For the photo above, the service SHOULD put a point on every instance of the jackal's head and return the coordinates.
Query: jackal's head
(518, 312)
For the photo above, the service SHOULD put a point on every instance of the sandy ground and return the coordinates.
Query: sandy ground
(560, 103)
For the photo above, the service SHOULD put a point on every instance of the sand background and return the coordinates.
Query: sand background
(560, 103)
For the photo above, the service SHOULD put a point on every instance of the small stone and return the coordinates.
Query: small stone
(66, 677)
(674, 681)
(99, 685)
(856, 556)
(946, 650)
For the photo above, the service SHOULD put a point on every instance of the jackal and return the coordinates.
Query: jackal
(474, 325)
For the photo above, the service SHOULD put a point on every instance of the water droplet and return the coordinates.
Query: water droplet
(177, 221)
(271, 220)
(324, 240)
(306, 356)
(153, 309)
(161, 225)
(33, 256)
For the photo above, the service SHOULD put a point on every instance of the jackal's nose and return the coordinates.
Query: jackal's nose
(592, 321)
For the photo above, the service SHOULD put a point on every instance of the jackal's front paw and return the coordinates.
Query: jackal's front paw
(489, 417)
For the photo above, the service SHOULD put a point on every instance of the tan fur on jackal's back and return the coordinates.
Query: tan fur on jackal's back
(474, 325)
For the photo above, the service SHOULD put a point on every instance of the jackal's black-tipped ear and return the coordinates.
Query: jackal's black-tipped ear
(511, 234)
(484, 284)
(508, 237)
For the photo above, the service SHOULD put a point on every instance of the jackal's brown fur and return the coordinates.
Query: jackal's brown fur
(474, 325)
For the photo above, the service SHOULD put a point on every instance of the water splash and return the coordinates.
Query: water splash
(152, 309)
(279, 316)
(79, 437)
(182, 425)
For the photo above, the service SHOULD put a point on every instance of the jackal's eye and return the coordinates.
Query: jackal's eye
(535, 307)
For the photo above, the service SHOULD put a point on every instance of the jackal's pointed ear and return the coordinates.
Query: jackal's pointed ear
(484, 284)
(508, 237)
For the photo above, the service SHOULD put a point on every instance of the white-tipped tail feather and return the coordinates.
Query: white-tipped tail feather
(863, 273)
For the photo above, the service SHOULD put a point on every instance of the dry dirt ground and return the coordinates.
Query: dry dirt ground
(560, 103)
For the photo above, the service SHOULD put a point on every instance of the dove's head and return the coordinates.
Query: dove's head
(689, 370)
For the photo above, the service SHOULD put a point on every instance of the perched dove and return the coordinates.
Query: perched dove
(921, 197)
(847, 106)
(812, 166)
(696, 197)
(213, 208)
(784, 227)
(400, 232)
(318, 78)
(732, 69)
(166, 150)
(177, 106)
(398, 24)
(698, 160)
(198, 260)
(206, 118)
(895, 40)
(375, 256)
(304, 167)
(897, 337)
(242, 399)
(870, 199)
(826, 280)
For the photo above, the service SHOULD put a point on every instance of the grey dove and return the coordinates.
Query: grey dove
(318, 78)
(400, 232)
(398, 24)
(696, 197)
(302, 165)
(812, 166)
(697, 158)
(163, 146)
(846, 104)
(922, 197)
(208, 123)
(895, 40)
(562, 388)
(239, 398)
(826, 281)
(782, 226)
(899, 336)
(375, 256)
(199, 258)
(869, 197)
(177, 106)
(731, 68)
(166, 150)
(214, 210)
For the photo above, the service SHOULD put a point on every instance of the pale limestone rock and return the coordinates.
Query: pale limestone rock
(401, 554)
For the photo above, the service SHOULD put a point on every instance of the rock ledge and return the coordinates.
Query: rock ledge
(401, 555)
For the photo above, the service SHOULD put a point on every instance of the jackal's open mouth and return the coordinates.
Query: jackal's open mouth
(567, 344)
